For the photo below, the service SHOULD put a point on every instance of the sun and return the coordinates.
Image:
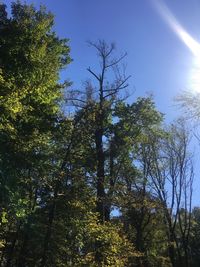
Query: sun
(187, 39)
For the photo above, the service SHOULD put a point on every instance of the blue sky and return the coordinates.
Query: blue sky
(158, 61)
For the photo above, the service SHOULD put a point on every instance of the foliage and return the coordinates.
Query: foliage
(107, 185)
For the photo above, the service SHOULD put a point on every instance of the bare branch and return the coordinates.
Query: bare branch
(76, 99)
(116, 61)
(95, 75)
(103, 49)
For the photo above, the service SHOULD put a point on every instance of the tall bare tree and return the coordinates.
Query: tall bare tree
(104, 89)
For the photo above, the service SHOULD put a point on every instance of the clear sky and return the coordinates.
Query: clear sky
(158, 60)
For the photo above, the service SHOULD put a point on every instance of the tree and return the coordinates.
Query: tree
(171, 173)
(30, 94)
(61, 176)
(105, 94)
(194, 237)
(141, 211)
(112, 128)
(189, 102)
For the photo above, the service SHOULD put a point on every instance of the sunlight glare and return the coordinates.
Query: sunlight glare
(187, 39)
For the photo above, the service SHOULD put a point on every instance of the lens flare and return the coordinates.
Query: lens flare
(186, 38)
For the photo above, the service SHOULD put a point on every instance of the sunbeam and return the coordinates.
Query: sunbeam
(187, 39)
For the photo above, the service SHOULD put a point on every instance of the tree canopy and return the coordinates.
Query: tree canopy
(107, 185)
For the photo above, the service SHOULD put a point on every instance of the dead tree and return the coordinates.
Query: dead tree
(102, 95)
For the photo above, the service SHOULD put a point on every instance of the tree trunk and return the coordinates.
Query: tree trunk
(49, 229)
(100, 175)
(21, 262)
(12, 247)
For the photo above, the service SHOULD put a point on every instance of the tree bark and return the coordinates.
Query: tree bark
(49, 228)
(100, 175)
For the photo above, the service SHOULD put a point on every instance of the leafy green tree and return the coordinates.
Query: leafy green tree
(141, 210)
(91, 188)
(194, 237)
(30, 94)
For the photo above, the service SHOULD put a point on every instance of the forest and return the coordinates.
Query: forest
(109, 183)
